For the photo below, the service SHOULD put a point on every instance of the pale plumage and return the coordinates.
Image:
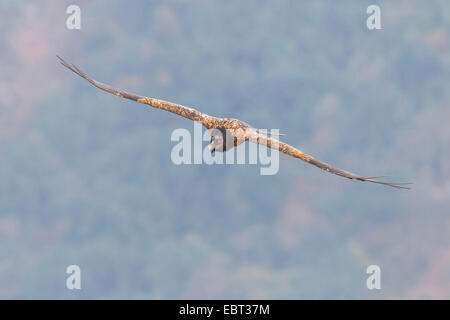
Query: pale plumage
(225, 129)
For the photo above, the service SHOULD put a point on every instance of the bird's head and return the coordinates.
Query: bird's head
(221, 140)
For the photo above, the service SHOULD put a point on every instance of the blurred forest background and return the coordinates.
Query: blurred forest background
(86, 177)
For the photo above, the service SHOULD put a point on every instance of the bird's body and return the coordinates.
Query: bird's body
(227, 133)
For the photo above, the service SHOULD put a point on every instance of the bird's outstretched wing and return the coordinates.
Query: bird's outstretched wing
(181, 110)
(256, 137)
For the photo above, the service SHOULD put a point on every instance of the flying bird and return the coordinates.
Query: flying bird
(227, 133)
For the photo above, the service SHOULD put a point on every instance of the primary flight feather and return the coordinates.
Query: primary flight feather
(227, 133)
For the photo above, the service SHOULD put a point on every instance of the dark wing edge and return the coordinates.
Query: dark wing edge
(102, 86)
(328, 168)
(259, 138)
(181, 110)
